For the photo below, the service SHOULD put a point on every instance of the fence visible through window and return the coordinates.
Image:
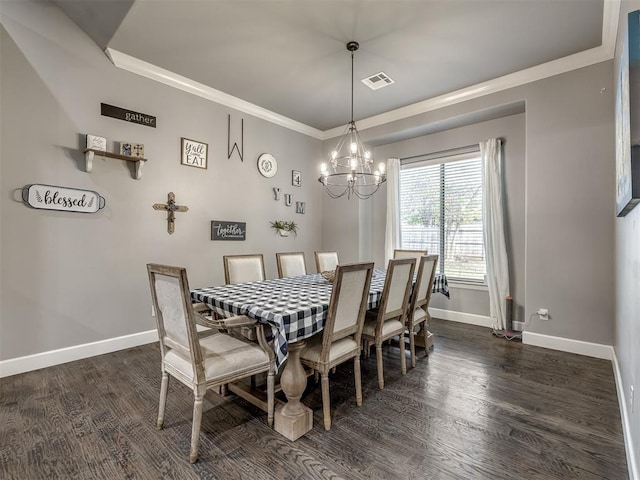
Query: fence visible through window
(441, 211)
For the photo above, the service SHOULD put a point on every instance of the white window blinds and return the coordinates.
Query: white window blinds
(441, 211)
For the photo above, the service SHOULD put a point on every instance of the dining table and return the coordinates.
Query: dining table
(295, 308)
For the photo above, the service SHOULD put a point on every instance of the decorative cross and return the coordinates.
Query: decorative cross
(171, 208)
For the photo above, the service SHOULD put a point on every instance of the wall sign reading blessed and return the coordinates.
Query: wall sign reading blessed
(127, 115)
(228, 230)
(50, 197)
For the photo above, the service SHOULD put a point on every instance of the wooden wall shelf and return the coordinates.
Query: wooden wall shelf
(89, 154)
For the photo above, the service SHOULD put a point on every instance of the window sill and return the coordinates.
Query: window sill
(468, 286)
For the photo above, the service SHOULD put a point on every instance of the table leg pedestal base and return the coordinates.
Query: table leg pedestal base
(293, 427)
(293, 419)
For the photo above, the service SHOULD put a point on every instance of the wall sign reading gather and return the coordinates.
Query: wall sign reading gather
(127, 115)
(228, 230)
(50, 197)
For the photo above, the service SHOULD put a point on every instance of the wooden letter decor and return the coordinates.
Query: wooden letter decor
(171, 207)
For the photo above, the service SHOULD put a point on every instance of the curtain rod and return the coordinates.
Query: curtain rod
(446, 153)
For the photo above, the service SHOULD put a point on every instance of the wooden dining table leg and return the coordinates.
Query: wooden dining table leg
(293, 419)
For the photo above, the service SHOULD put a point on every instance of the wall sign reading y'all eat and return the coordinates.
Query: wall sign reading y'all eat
(194, 154)
(50, 197)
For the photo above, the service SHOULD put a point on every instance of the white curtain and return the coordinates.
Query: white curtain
(494, 241)
(392, 231)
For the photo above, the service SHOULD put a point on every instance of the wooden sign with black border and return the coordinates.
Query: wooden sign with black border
(128, 115)
(234, 231)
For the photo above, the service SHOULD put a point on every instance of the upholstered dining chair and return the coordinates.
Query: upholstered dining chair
(418, 317)
(340, 339)
(389, 319)
(291, 264)
(202, 362)
(326, 261)
(243, 268)
(399, 253)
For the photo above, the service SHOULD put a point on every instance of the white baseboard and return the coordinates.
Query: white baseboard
(569, 345)
(626, 421)
(28, 363)
(462, 317)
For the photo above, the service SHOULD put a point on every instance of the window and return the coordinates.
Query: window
(441, 211)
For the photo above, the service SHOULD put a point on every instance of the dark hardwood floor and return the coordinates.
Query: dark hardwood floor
(478, 407)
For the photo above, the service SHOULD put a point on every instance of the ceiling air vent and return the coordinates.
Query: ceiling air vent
(377, 81)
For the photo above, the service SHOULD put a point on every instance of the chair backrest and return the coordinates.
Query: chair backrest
(399, 253)
(291, 264)
(396, 291)
(348, 304)
(326, 261)
(176, 325)
(423, 285)
(243, 268)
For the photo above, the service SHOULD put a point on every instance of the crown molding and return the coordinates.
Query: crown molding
(153, 72)
(606, 51)
(610, 19)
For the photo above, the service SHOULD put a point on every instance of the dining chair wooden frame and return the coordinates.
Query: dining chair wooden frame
(403, 253)
(390, 318)
(233, 262)
(287, 263)
(203, 362)
(326, 261)
(340, 340)
(418, 311)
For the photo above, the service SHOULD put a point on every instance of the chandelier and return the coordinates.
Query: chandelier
(350, 168)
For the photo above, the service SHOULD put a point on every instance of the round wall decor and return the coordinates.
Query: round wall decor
(267, 165)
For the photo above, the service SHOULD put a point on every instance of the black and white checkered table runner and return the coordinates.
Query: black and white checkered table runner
(295, 307)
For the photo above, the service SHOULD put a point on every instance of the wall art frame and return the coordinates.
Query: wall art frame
(627, 120)
(194, 153)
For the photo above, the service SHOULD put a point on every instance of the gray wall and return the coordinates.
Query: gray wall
(627, 280)
(70, 278)
(568, 186)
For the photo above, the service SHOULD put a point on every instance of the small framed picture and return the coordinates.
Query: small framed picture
(125, 148)
(194, 153)
(96, 143)
(132, 149)
(296, 178)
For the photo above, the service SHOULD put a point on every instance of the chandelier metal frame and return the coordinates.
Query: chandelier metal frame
(351, 164)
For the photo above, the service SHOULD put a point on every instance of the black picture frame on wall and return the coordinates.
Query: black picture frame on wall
(628, 120)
